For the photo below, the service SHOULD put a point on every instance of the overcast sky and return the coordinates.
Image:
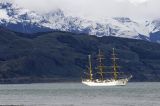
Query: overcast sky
(138, 9)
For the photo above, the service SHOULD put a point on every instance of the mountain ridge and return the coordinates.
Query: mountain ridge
(59, 56)
(23, 20)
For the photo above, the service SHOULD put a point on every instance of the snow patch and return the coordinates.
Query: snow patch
(4, 15)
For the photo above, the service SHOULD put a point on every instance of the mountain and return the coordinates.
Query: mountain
(22, 20)
(62, 56)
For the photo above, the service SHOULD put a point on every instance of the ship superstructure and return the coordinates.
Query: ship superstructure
(102, 80)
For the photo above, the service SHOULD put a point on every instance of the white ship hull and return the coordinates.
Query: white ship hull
(112, 82)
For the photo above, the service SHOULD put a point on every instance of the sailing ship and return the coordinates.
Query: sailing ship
(115, 78)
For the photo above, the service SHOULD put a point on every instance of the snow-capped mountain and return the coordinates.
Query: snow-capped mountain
(21, 20)
(26, 21)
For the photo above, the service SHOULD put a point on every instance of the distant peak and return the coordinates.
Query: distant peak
(122, 19)
(6, 3)
(57, 12)
(156, 22)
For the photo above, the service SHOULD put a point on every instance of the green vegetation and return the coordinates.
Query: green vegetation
(62, 56)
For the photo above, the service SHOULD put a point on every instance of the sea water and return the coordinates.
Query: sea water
(77, 94)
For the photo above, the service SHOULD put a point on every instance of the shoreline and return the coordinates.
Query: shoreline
(28, 80)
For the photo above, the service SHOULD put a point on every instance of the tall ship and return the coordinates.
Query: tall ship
(99, 77)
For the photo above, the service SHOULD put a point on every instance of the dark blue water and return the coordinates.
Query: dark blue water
(76, 94)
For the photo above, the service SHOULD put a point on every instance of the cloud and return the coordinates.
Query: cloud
(97, 9)
(134, 1)
(138, 1)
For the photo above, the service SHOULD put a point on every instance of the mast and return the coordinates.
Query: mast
(115, 66)
(100, 67)
(90, 68)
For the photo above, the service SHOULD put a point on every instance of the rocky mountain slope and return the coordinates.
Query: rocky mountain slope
(23, 20)
(62, 56)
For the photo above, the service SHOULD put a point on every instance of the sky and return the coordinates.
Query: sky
(97, 9)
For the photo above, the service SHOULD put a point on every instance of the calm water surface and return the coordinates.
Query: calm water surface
(76, 94)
